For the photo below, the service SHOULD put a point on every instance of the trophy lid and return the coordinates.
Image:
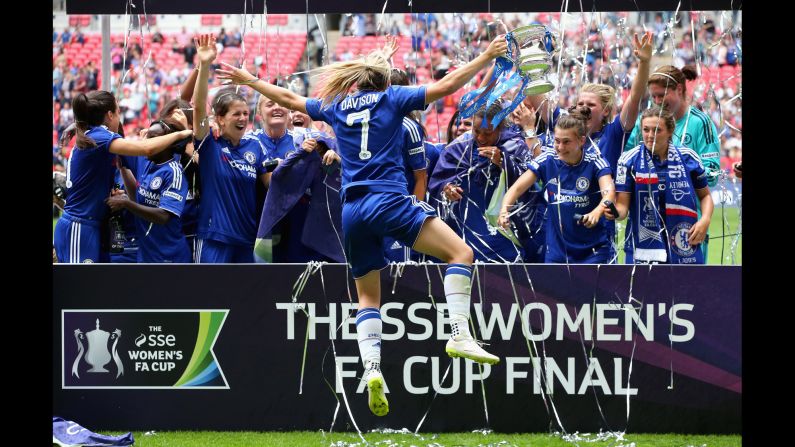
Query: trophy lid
(524, 35)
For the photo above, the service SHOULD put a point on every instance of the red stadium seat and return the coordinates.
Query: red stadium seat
(211, 19)
(277, 19)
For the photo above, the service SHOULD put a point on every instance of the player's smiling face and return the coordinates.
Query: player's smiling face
(568, 145)
(655, 133)
(234, 123)
(299, 119)
(274, 115)
(487, 136)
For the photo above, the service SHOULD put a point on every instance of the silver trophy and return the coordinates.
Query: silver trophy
(533, 60)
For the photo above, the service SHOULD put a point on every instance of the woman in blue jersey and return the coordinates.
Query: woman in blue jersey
(181, 111)
(231, 165)
(89, 175)
(576, 181)
(694, 128)
(471, 170)
(368, 125)
(160, 191)
(605, 133)
(659, 185)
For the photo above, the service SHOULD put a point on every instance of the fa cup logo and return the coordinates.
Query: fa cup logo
(98, 355)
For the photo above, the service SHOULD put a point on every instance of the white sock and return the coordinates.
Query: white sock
(457, 290)
(368, 333)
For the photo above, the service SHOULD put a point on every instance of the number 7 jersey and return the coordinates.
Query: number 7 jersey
(368, 127)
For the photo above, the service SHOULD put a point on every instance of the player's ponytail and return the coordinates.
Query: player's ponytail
(576, 119)
(368, 73)
(90, 110)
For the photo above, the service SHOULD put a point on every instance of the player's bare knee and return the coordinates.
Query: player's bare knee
(463, 255)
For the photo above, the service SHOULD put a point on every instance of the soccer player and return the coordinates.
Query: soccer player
(159, 200)
(576, 181)
(694, 128)
(657, 183)
(89, 175)
(180, 110)
(367, 124)
(469, 174)
(275, 134)
(231, 165)
(606, 134)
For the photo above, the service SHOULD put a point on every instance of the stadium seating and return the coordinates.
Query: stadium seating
(283, 50)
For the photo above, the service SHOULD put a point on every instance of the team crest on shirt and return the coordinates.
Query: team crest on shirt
(679, 240)
(156, 182)
(582, 184)
(250, 157)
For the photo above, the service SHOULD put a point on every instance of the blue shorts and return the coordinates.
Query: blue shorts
(215, 252)
(368, 217)
(77, 240)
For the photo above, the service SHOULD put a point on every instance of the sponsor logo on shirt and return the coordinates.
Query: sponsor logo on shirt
(150, 198)
(245, 167)
(417, 150)
(225, 150)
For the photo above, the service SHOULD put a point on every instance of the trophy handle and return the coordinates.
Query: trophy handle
(78, 336)
(119, 366)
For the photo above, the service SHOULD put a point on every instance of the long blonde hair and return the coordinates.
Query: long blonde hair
(368, 73)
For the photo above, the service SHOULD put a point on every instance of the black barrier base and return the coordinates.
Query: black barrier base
(218, 347)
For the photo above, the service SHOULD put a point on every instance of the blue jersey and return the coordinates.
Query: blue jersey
(571, 190)
(274, 147)
(608, 142)
(413, 151)
(161, 186)
(625, 178)
(89, 176)
(432, 152)
(228, 189)
(368, 126)
(190, 214)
